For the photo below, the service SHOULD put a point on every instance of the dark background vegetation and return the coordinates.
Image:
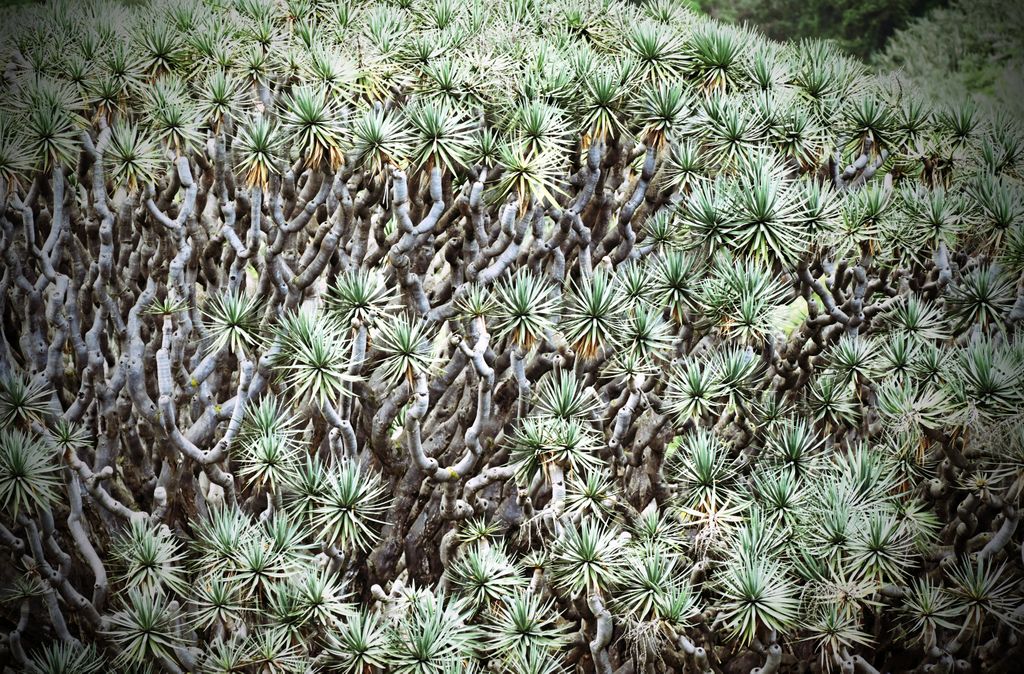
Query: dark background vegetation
(944, 49)
(862, 28)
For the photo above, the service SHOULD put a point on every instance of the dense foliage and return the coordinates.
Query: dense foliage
(509, 336)
(862, 28)
(981, 55)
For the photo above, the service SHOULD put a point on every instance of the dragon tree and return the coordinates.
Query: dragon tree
(499, 336)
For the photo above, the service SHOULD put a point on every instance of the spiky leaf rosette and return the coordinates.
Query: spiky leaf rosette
(587, 557)
(145, 628)
(23, 401)
(523, 621)
(758, 595)
(151, 559)
(314, 356)
(357, 643)
(525, 309)
(234, 321)
(432, 636)
(29, 473)
(60, 657)
(485, 575)
(407, 347)
(349, 507)
(592, 312)
(311, 119)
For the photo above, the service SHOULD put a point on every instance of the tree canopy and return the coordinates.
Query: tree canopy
(510, 336)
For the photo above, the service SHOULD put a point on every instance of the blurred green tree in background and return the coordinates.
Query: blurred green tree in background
(970, 47)
(861, 28)
(945, 50)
